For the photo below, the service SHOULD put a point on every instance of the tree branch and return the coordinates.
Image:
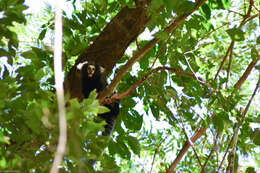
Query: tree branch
(229, 66)
(235, 136)
(222, 161)
(155, 152)
(211, 152)
(246, 74)
(224, 58)
(171, 28)
(59, 89)
(246, 18)
(138, 83)
(202, 130)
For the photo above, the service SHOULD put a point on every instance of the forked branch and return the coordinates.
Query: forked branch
(173, 25)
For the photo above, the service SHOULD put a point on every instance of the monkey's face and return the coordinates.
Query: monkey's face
(91, 70)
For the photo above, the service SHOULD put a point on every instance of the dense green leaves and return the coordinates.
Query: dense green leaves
(256, 136)
(149, 131)
(206, 10)
(10, 12)
(236, 34)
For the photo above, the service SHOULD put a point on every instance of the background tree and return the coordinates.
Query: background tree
(192, 85)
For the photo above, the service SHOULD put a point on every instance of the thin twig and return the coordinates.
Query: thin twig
(192, 70)
(235, 136)
(211, 152)
(256, 8)
(161, 49)
(246, 18)
(138, 83)
(59, 89)
(251, 99)
(207, 34)
(236, 13)
(224, 58)
(156, 151)
(191, 143)
(189, 140)
(222, 161)
(228, 147)
(229, 66)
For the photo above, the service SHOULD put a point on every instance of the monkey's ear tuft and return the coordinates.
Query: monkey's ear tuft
(102, 69)
(80, 65)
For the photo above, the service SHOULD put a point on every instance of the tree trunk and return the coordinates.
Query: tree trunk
(110, 45)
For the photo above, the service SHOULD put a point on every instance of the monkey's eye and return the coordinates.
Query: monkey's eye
(91, 70)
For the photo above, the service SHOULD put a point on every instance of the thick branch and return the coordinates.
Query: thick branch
(172, 26)
(110, 45)
(185, 148)
(246, 74)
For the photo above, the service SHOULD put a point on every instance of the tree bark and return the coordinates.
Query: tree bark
(110, 45)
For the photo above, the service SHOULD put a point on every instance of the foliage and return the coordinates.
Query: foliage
(157, 117)
(11, 11)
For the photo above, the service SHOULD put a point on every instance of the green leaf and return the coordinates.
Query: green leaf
(94, 127)
(171, 93)
(218, 123)
(255, 137)
(250, 170)
(3, 52)
(132, 120)
(128, 102)
(155, 111)
(161, 35)
(3, 139)
(123, 151)
(185, 7)
(206, 10)
(119, 147)
(42, 34)
(93, 107)
(144, 62)
(134, 144)
(34, 123)
(163, 58)
(156, 4)
(254, 54)
(103, 109)
(3, 163)
(13, 38)
(236, 34)
(171, 4)
(93, 94)
(258, 40)
(226, 3)
(112, 147)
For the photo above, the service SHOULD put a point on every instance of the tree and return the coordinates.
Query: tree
(190, 91)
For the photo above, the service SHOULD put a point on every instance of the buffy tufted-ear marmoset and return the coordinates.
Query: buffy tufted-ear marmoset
(92, 78)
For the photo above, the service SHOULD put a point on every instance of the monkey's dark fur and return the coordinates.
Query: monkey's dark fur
(92, 78)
